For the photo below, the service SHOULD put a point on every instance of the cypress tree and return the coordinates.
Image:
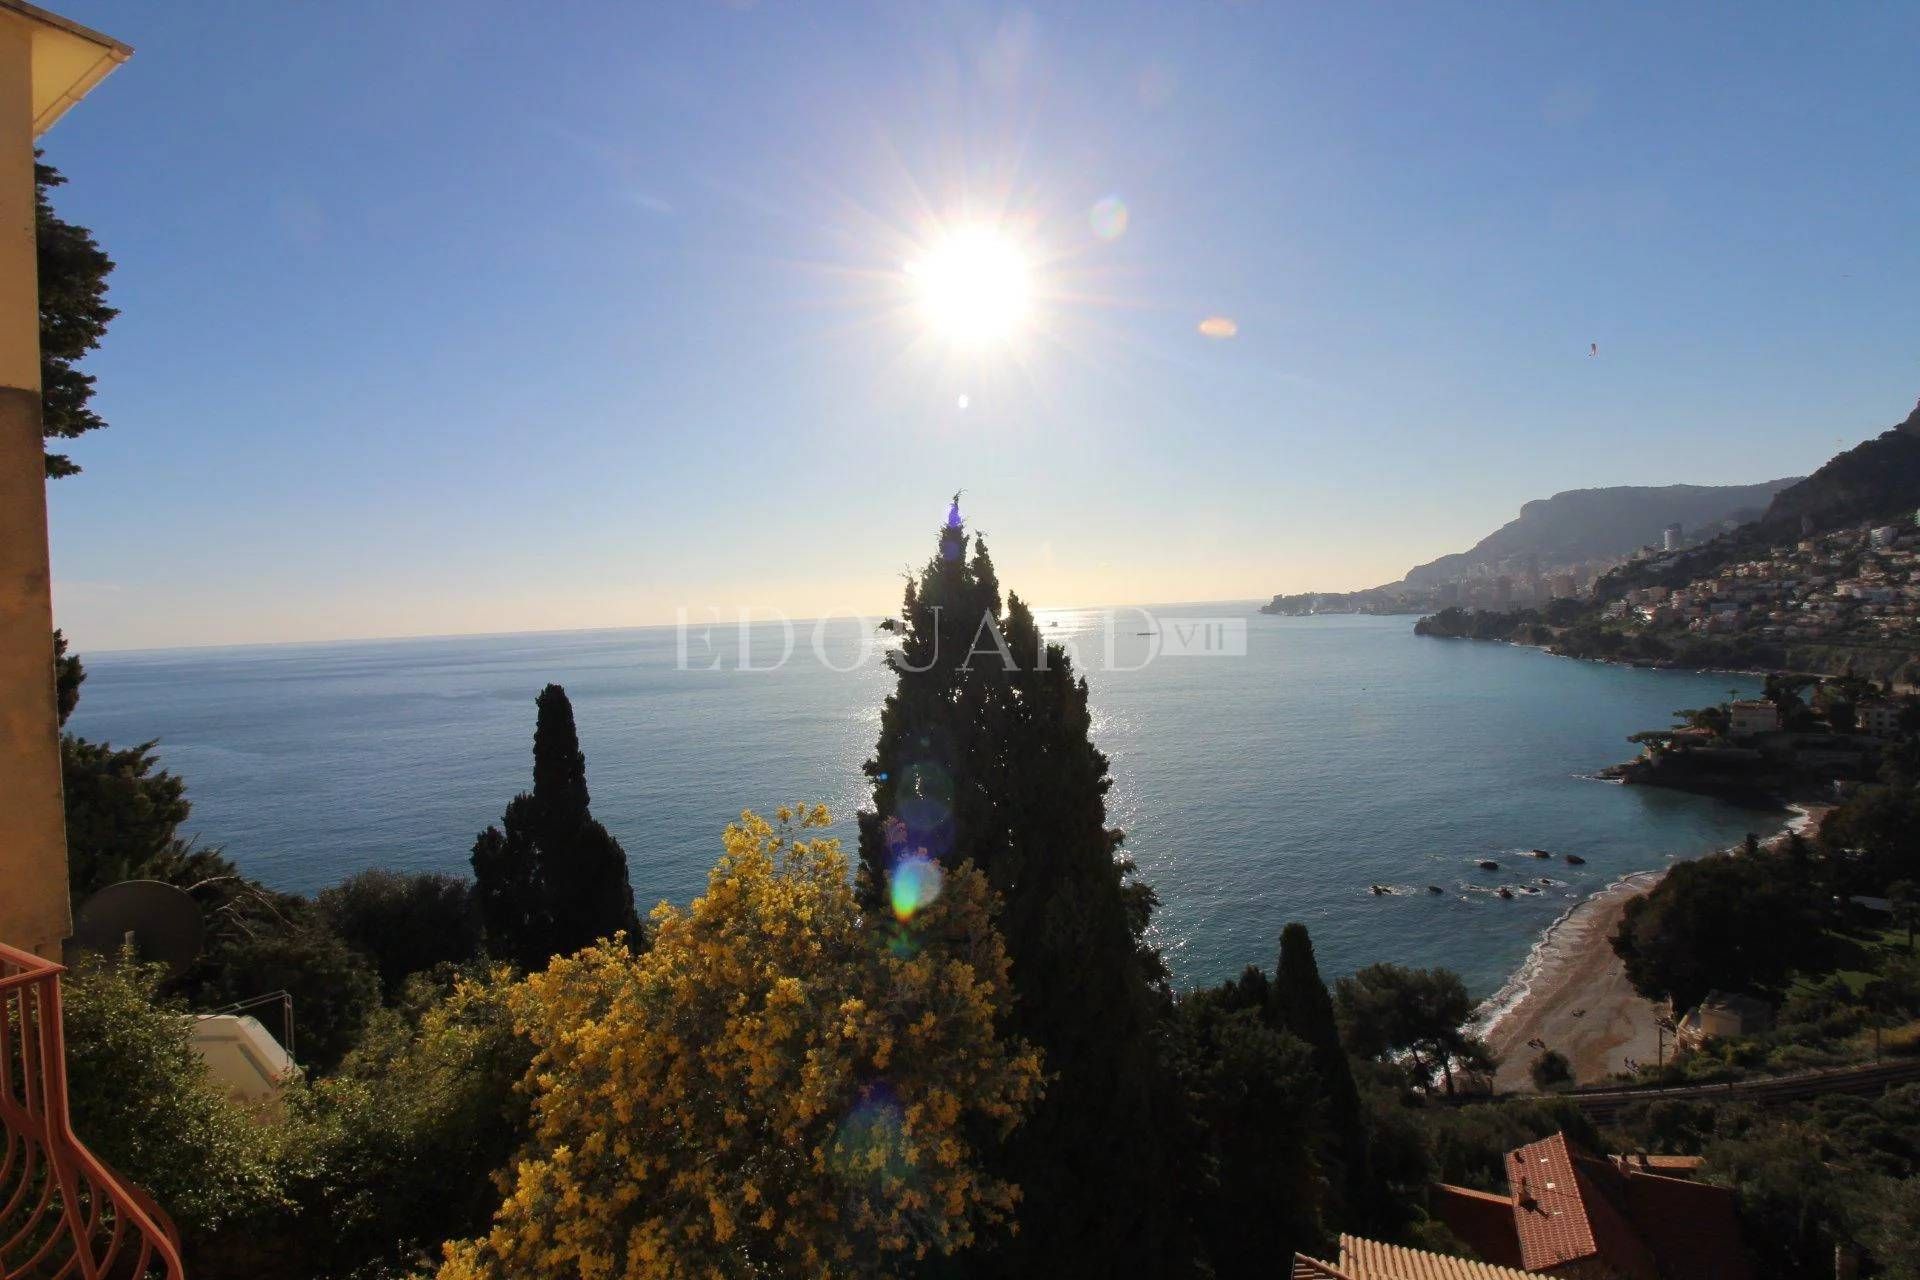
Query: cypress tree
(1256, 1092)
(506, 886)
(73, 318)
(550, 879)
(1302, 1005)
(985, 754)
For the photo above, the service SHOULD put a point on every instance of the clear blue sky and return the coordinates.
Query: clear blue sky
(486, 317)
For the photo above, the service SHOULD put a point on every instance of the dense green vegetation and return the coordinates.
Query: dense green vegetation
(1734, 922)
(1387, 1011)
(404, 924)
(550, 879)
(1836, 1173)
(147, 1105)
(985, 756)
(74, 316)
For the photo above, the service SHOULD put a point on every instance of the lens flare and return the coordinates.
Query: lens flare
(866, 1145)
(914, 884)
(1218, 327)
(1109, 218)
(923, 799)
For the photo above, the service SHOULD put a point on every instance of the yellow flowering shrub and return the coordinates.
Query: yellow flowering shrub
(776, 1087)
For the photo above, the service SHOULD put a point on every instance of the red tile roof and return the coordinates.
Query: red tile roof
(1569, 1207)
(1362, 1259)
(1693, 1228)
(1482, 1221)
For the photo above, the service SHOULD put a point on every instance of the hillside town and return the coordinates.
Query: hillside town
(1859, 585)
(1514, 582)
(1524, 580)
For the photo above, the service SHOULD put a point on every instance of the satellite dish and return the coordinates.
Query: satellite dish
(161, 921)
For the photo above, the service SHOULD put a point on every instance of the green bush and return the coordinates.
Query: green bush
(333, 986)
(396, 1151)
(1468, 1146)
(404, 924)
(1551, 1070)
(142, 1100)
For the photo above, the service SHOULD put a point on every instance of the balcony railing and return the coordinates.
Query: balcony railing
(63, 1214)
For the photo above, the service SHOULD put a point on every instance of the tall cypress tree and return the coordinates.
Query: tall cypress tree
(985, 754)
(73, 317)
(550, 878)
(506, 885)
(1302, 1005)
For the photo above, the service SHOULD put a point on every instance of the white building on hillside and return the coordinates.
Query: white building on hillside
(1750, 716)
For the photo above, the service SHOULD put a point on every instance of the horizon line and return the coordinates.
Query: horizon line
(583, 631)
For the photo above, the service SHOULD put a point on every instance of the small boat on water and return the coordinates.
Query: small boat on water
(1574, 859)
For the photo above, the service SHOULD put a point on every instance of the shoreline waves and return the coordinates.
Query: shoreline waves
(1571, 992)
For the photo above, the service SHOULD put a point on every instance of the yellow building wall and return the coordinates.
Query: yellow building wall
(34, 908)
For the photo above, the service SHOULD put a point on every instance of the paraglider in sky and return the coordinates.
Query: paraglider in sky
(1593, 349)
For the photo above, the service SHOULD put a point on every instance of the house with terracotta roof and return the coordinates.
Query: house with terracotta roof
(1362, 1259)
(1573, 1214)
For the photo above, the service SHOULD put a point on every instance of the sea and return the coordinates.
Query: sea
(1265, 769)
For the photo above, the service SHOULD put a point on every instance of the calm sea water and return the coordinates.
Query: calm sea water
(1338, 753)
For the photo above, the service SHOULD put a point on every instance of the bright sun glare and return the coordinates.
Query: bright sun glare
(974, 286)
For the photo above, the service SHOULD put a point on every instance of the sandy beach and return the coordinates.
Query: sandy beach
(1573, 995)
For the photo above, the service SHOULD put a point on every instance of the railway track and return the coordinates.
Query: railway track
(1605, 1105)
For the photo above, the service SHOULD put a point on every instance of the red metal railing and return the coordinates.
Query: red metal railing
(63, 1214)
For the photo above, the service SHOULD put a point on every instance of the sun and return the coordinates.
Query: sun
(974, 286)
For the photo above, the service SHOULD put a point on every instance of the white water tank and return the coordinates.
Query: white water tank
(244, 1058)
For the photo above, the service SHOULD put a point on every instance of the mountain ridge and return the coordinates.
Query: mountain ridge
(1601, 522)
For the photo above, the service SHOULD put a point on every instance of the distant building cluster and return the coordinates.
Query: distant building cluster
(1858, 585)
(1514, 583)
(1517, 582)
